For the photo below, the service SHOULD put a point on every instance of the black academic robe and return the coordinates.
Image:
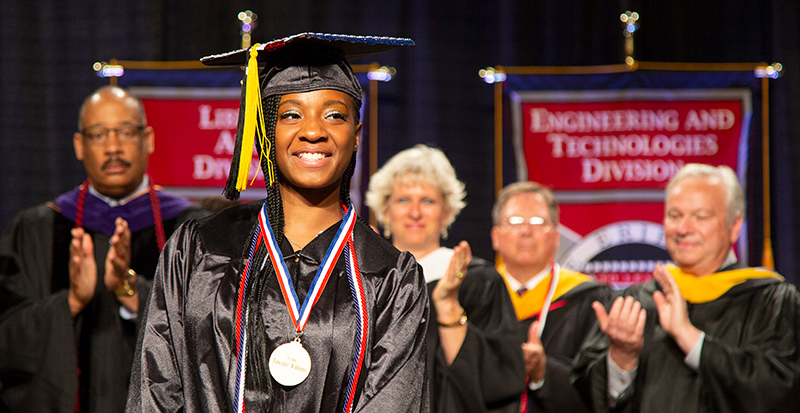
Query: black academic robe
(184, 361)
(569, 321)
(750, 359)
(488, 371)
(39, 340)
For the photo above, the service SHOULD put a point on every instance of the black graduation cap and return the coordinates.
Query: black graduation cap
(301, 63)
(351, 46)
(309, 61)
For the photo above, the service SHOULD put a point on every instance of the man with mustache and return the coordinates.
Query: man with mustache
(707, 334)
(75, 272)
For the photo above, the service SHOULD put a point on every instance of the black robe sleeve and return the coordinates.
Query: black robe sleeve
(568, 325)
(488, 371)
(37, 342)
(750, 360)
(39, 339)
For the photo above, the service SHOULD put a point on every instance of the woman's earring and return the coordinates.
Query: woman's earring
(387, 233)
(444, 234)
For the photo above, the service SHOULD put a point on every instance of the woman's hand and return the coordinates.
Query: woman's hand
(445, 300)
(445, 294)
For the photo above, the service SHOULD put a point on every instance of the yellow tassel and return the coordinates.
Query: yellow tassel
(253, 123)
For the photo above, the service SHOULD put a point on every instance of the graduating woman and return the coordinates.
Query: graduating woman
(293, 304)
(474, 358)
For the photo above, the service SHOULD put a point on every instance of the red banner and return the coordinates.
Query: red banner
(599, 141)
(195, 132)
(608, 155)
(194, 141)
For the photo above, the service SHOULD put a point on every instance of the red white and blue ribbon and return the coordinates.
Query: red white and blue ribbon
(299, 314)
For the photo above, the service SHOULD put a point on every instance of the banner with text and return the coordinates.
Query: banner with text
(194, 115)
(199, 139)
(608, 153)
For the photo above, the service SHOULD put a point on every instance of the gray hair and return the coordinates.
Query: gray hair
(119, 93)
(519, 188)
(734, 194)
(420, 164)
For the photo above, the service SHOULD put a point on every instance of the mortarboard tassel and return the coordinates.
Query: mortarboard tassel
(253, 122)
(230, 191)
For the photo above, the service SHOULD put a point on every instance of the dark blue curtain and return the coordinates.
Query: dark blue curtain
(47, 48)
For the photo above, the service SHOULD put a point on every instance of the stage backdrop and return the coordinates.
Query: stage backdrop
(608, 143)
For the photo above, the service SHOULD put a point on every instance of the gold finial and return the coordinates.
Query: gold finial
(772, 71)
(630, 19)
(382, 73)
(492, 75)
(248, 19)
(110, 70)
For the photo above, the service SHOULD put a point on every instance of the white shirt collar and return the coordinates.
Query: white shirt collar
(117, 202)
(729, 260)
(532, 283)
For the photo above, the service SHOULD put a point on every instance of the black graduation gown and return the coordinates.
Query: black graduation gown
(488, 370)
(183, 357)
(750, 360)
(570, 320)
(38, 336)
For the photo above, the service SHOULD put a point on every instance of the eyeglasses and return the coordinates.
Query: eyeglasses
(537, 224)
(98, 135)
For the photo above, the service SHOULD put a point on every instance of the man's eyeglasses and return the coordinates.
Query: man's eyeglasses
(98, 135)
(537, 224)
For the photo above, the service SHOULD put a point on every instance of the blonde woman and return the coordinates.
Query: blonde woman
(474, 357)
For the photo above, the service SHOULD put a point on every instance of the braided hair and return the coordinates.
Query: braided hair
(257, 357)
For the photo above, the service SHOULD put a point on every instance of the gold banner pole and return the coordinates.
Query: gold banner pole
(766, 72)
(498, 137)
(630, 20)
(373, 132)
(767, 259)
(248, 23)
(496, 76)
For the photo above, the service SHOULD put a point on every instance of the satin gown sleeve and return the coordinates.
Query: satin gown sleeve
(156, 378)
(396, 378)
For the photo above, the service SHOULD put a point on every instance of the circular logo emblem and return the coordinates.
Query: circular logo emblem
(619, 254)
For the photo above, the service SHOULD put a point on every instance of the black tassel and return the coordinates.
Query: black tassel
(230, 190)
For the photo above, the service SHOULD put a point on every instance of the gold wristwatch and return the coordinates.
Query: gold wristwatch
(128, 286)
